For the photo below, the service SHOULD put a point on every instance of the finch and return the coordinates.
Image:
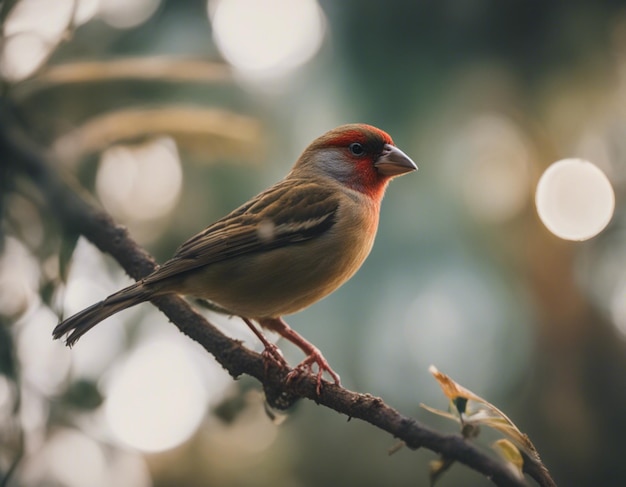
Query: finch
(284, 249)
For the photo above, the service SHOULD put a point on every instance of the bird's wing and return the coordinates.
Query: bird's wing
(266, 222)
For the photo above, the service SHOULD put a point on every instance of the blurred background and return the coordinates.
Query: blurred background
(173, 113)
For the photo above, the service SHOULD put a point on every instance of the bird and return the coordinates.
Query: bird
(284, 249)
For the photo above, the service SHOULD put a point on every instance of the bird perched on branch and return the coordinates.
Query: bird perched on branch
(283, 250)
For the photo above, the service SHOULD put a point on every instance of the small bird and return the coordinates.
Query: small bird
(283, 250)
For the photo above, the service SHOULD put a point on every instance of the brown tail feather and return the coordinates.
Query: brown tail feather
(82, 322)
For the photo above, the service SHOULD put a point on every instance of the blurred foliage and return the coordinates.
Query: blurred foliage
(531, 322)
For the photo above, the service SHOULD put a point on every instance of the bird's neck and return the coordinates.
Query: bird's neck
(370, 183)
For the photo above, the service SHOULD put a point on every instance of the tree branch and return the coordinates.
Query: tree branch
(79, 214)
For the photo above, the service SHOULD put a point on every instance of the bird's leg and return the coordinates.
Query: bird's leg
(313, 355)
(271, 353)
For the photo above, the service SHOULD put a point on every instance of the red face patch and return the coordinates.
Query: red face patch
(363, 144)
(361, 133)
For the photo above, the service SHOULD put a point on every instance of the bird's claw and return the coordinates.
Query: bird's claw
(272, 355)
(306, 367)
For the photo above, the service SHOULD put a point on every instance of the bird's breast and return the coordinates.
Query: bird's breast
(287, 279)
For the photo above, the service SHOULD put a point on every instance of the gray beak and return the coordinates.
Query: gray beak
(394, 162)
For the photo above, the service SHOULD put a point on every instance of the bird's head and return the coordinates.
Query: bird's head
(360, 156)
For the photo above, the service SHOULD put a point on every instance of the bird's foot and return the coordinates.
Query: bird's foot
(306, 367)
(313, 355)
(273, 356)
(271, 353)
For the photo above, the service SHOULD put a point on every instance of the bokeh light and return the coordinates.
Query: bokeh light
(494, 158)
(156, 398)
(22, 55)
(124, 14)
(100, 346)
(34, 410)
(269, 38)
(32, 31)
(141, 182)
(19, 276)
(45, 363)
(73, 459)
(85, 10)
(575, 199)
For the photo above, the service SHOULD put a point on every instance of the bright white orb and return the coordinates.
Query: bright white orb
(140, 182)
(269, 38)
(125, 14)
(156, 400)
(495, 159)
(575, 199)
(74, 460)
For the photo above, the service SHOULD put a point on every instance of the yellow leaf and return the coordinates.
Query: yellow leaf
(450, 388)
(438, 467)
(511, 455)
(439, 412)
(491, 417)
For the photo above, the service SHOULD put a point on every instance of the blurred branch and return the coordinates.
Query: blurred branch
(161, 68)
(78, 213)
(226, 132)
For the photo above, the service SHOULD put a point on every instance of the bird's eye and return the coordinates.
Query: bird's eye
(357, 149)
